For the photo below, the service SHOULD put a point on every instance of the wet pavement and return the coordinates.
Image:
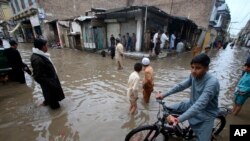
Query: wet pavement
(96, 105)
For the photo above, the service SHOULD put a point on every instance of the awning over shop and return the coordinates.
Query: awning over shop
(51, 21)
(17, 26)
(73, 33)
(64, 23)
(130, 11)
(83, 18)
(25, 14)
(95, 22)
(184, 19)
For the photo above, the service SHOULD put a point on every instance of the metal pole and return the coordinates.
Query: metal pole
(230, 24)
(229, 27)
(146, 15)
(171, 7)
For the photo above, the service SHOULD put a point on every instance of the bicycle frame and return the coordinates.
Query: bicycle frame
(165, 128)
(184, 131)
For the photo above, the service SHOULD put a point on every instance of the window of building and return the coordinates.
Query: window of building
(30, 2)
(13, 8)
(23, 4)
(17, 6)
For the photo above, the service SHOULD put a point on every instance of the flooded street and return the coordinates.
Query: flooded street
(96, 105)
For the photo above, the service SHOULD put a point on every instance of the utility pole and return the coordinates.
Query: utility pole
(130, 2)
(74, 6)
(146, 16)
(229, 27)
(171, 7)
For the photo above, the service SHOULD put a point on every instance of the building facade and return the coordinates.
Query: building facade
(220, 20)
(244, 35)
(137, 20)
(5, 15)
(5, 10)
(198, 11)
(34, 18)
(25, 22)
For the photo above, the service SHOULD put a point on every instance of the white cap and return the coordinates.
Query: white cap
(145, 61)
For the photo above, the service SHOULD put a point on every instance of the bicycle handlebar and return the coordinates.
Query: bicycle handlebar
(166, 112)
(163, 105)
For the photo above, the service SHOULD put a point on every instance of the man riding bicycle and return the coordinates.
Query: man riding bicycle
(202, 107)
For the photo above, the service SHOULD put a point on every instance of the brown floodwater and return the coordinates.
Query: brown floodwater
(96, 105)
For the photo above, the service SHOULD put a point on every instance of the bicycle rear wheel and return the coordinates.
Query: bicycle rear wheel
(146, 133)
(219, 124)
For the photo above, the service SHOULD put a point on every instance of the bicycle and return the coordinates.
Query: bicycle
(161, 130)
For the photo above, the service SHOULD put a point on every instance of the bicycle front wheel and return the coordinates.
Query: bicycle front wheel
(219, 124)
(146, 133)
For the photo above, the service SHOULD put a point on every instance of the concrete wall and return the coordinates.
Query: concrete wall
(5, 11)
(197, 10)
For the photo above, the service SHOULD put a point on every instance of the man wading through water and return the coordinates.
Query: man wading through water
(119, 54)
(148, 81)
(44, 73)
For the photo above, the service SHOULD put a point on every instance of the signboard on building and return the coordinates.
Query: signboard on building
(34, 20)
(41, 13)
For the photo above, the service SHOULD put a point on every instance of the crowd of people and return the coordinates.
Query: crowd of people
(153, 42)
(128, 42)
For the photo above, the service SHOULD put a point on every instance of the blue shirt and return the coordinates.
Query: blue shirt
(203, 103)
(129, 41)
(244, 83)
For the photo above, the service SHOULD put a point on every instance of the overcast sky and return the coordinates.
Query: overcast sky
(240, 12)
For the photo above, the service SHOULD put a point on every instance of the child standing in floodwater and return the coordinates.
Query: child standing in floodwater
(243, 89)
(133, 87)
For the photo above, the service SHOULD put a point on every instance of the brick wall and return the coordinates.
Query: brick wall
(197, 10)
(64, 9)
